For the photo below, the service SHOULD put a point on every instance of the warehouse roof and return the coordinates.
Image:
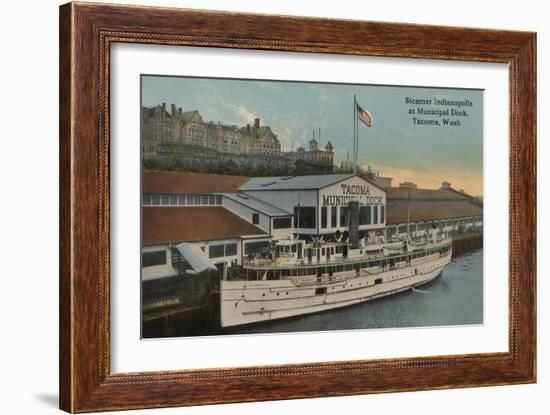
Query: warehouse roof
(155, 181)
(294, 182)
(178, 224)
(398, 214)
(256, 204)
(424, 194)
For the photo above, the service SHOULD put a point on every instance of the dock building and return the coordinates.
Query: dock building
(219, 220)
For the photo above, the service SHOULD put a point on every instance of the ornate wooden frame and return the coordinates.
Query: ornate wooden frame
(86, 33)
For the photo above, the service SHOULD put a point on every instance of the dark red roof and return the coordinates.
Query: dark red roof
(398, 214)
(177, 224)
(155, 181)
(404, 193)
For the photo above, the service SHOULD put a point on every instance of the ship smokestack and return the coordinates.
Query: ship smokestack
(354, 224)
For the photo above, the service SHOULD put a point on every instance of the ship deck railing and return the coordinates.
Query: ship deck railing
(304, 262)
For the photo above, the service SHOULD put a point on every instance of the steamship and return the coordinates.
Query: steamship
(301, 276)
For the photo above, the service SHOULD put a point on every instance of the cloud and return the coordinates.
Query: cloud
(244, 114)
(297, 127)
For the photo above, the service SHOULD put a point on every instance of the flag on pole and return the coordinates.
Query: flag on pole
(364, 115)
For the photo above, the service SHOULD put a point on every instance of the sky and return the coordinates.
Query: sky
(393, 146)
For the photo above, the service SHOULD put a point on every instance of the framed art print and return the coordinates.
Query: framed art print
(317, 208)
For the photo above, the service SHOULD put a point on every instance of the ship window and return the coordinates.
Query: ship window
(150, 259)
(323, 217)
(378, 281)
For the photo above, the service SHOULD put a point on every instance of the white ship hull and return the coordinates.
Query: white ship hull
(246, 302)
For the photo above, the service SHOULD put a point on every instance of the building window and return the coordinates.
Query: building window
(323, 217)
(173, 200)
(151, 259)
(230, 249)
(382, 214)
(216, 251)
(344, 215)
(164, 200)
(364, 215)
(255, 218)
(257, 247)
(282, 223)
(333, 216)
(375, 216)
(155, 200)
(304, 217)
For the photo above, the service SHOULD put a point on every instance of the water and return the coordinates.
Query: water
(454, 298)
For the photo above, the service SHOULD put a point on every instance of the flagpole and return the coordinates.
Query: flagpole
(357, 139)
(354, 129)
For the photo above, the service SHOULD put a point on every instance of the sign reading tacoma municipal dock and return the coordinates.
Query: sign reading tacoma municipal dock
(280, 206)
(351, 193)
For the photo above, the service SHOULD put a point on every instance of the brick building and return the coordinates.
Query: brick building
(177, 127)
